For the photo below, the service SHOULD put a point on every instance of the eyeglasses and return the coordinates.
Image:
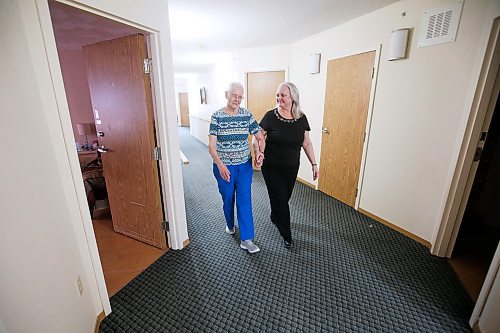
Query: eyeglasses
(237, 97)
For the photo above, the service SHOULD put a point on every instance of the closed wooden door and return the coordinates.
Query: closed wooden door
(184, 109)
(347, 96)
(122, 103)
(261, 93)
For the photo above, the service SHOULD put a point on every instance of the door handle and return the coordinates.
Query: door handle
(102, 149)
(325, 130)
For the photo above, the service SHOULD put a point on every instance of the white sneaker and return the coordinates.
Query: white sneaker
(230, 231)
(249, 246)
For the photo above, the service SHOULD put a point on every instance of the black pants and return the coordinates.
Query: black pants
(280, 182)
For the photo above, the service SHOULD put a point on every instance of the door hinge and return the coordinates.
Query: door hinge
(147, 65)
(483, 136)
(356, 195)
(156, 153)
(477, 154)
(373, 71)
(164, 226)
(364, 137)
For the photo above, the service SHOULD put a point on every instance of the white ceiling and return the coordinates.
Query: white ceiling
(203, 29)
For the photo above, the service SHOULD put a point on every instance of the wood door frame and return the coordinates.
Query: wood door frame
(65, 128)
(445, 233)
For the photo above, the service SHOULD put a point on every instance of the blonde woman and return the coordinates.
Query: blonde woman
(287, 131)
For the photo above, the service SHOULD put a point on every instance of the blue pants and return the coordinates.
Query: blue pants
(240, 183)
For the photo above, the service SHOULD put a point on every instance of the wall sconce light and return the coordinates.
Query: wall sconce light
(314, 63)
(398, 44)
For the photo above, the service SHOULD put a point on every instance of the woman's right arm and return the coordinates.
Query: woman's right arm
(223, 170)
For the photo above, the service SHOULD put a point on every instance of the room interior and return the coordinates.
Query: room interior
(122, 257)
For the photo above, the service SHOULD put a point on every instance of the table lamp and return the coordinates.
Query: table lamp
(85, 129)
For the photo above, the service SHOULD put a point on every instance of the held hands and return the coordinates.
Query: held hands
(224, 172)
(259, 159)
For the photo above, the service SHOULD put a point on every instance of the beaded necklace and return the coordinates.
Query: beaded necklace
(280, 117)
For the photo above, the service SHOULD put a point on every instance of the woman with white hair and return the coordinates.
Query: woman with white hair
(287, 131)
(228, 145)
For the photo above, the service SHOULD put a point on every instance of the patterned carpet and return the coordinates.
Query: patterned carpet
(346, 273)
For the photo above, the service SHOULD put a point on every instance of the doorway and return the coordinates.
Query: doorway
(122, 258)
(479, 233)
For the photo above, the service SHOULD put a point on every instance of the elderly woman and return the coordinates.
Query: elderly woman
(228, 145)
(287, 131)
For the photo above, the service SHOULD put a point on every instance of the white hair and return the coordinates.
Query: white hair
(234, 85)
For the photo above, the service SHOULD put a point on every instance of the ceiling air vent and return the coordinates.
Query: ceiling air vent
(440, 25)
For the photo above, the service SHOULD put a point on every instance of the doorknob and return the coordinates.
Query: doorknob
(102, 149)
(325, 130)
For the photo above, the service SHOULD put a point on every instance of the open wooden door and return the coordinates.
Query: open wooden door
(261, 93)
(347, 96)
(123, 111)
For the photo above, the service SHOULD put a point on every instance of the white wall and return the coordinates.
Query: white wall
(2, 327)
(45, 226)
(180, 86)
(39, 245)
(77, 91)
(199, 114)
(420, 106)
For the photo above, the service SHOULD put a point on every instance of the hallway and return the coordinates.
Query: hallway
(346, 273)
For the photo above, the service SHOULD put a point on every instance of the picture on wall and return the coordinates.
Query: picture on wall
(203, 95)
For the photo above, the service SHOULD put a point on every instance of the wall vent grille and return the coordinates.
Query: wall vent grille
(440, 25)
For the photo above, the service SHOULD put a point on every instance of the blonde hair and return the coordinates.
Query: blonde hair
(294, 94)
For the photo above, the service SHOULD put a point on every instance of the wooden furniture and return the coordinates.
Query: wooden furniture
(86, 156)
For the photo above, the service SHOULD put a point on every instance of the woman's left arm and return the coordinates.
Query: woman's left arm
(309, 150)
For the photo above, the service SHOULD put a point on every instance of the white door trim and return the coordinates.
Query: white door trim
(376, 64)
(72, 158)
(446, 231)
(492, 276)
